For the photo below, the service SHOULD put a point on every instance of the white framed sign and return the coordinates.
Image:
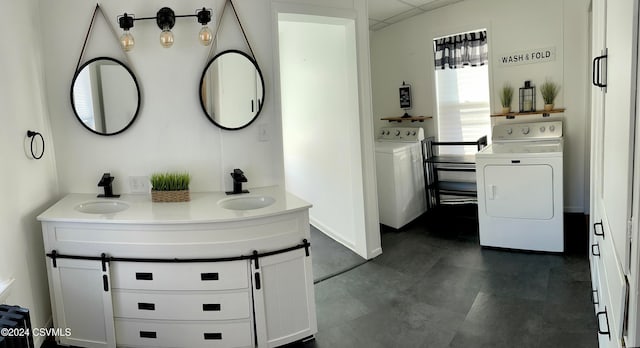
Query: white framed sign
(532, 56)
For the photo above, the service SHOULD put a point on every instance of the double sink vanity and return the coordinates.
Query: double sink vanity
(218, 271)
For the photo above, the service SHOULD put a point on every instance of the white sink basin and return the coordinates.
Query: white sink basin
(246, 202)
(102, 207)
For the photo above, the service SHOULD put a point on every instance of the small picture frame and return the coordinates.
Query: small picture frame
(405, 96)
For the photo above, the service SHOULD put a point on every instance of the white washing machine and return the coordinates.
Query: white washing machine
(401, 195)
(519, 177)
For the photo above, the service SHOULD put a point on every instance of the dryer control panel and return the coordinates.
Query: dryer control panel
(532, 131)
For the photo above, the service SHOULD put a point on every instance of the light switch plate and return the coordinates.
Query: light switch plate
(139, 184)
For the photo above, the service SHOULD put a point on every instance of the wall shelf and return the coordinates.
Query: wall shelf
(544, 113)
(410, 118)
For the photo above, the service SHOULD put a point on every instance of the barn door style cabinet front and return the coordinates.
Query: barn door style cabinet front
(284, 301)
(81, 300)
(244, 283)
(614, 201)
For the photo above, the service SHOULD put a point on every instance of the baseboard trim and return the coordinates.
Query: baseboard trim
(329, 232)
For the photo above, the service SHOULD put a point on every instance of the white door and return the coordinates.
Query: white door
(613, 142)
(82, 302)
(617, 125)
(284, 300)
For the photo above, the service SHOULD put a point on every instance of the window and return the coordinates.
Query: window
(83, 99)
(462, 90)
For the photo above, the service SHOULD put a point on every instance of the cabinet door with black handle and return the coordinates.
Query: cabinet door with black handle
(81, 294)
(284, 298)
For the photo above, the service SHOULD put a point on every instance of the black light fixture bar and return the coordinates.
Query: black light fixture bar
(164, 16)
(165, 19)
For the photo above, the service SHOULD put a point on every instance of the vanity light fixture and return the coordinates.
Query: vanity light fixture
(166, 19)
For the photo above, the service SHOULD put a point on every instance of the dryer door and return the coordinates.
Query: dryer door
(519, 191)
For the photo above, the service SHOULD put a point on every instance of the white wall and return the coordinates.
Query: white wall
(28, 186)
(367, 243)
(171, 132)
(319, 87)
(404, 52)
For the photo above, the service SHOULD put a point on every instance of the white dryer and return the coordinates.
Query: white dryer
(401, 194)
(520, 198)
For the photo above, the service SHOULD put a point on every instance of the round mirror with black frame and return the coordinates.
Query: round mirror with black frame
(232, 90)
(105, 96)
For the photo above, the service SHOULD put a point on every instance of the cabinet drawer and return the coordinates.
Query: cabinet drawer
(176, 334)
(614, 288)
(180, 276)
(181, 306)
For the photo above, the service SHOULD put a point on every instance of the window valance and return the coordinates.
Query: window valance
(458, 51)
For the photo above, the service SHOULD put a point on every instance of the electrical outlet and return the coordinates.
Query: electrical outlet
(263, 134)
(139, 184)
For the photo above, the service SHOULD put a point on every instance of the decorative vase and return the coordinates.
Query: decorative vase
(548, 107)
(170, 196)
(506, 109)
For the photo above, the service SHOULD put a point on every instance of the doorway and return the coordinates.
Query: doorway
(321, 122)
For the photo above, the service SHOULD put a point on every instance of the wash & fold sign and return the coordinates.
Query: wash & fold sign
(537, 55)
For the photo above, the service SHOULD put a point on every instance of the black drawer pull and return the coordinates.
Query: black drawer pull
(606, 318)
(213, 335)
(515, 161)
(209, 276)
(144, 276)
(595, 230)
(211, 307)
(146, 306)
(594, 297)
(595, 247)
(148, 334)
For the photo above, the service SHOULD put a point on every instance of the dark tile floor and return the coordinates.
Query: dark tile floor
(434, 286)
(330, 257)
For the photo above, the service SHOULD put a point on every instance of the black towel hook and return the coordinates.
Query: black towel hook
(33, 134)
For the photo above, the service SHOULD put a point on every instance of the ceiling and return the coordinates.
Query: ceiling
(383, 13)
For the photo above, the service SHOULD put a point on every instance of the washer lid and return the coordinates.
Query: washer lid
(523, 148)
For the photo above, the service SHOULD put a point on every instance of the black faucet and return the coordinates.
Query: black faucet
(238, 179)
(106, 182)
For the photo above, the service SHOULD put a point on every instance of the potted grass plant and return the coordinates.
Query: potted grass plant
(549, 91)
(170, 187)
(506, 96)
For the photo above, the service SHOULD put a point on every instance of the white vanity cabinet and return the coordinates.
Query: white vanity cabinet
(136, 280)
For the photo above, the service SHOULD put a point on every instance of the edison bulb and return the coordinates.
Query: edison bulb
(166, 38)
(127, 41)
(205, 35)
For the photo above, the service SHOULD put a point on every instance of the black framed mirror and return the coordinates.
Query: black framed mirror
(105, 96)
(232, 90)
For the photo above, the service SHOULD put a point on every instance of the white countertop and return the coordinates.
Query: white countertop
(203, 208)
